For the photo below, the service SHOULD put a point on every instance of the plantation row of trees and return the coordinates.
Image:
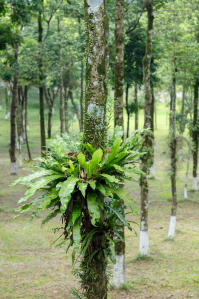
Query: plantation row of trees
(77, 52)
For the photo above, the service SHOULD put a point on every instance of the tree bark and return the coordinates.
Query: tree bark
(136, 102)
(119, 62)
(41, 87)
(7, 105)
(95, 130)
(19, 125)
(60, 85)
(152, 168)
(173, 149)
(119, 275)
(182, 110)
(195, 135)
(12, 119)
(26, 121)
(81, 83)
(148, 144)
(66, 110)
(127, 110)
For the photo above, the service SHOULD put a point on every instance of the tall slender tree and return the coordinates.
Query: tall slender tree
(173, 150)
(119, 276)
(41, 79)
(95, 128)
(61, 82)
(195, 135)
(148, 135)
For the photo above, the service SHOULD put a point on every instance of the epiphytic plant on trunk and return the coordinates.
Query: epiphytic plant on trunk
(83, 185)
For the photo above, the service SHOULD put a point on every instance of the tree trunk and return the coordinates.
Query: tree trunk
(41, 87)
(119, 275)
(49, 123)
(119, 62)
(152, 168)
(187, 172)
(173, 148)
(66, 110)
(127, 110)
(60, 86)
(12, 119)
(136, 102)
(81, 84)
(95, 286)
(195, 136)
(7, 105)
(19, 125)
(182, 122)
(182, 110)
(26, 121)
(147, 159)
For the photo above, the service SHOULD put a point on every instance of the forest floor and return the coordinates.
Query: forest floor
(31, 268)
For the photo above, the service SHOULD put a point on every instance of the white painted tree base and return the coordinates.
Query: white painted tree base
(172, 227)
(185, 193)
(119, 275)
(194, 184)
(20, 161)
(152, 171)
(53, 110)
(6, 116)
(144, 243)
(13, 168)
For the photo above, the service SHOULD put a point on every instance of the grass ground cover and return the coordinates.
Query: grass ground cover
(31, 268)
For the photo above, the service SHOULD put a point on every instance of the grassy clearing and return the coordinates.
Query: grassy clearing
(31, 268)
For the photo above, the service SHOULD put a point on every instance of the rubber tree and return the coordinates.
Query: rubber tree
(173, 152)
(195, 135)
(119, 275)
(61, 81)
(146, 160)
(13, 117)
(41, 79)
(95, 125)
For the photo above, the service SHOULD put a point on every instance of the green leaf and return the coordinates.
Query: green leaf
(75, 213)
(82, 161)
(118, 235)
(89, 148)
(73, 256)
(31, 220)
(122, 193)
(121, 217)
(77, 233)
(33, 176)
(72, 168)
(110, 178)
(96, 158)
(93, 206)
(46, 200)
(50, 216)
(113, 152)
(111, 246)
(67, 187)
(87, 240)
(38, 185)
(82, 187)
(92, 184)
(101, 188)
